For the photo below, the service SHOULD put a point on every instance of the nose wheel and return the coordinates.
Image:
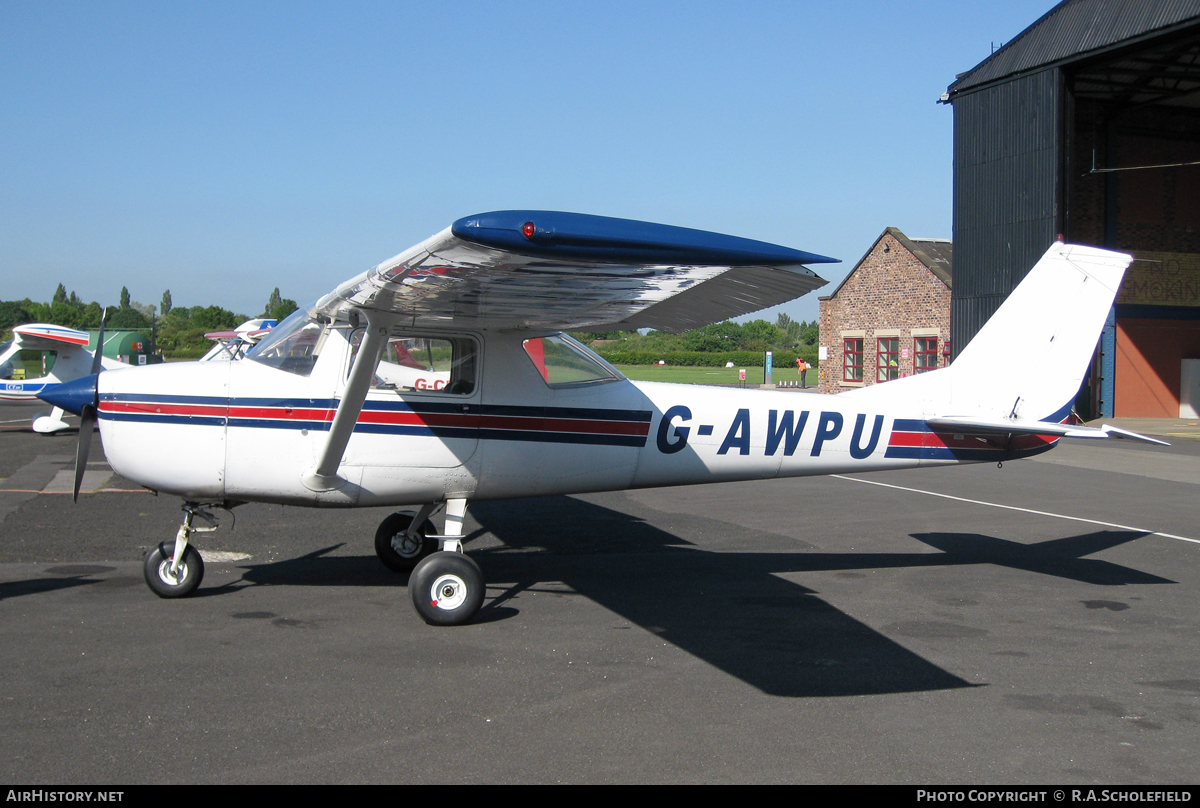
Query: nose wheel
(175, 569)
(168, 579)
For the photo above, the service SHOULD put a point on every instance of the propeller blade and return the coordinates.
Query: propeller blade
(87, 423)
(99, 356)
(87, 412)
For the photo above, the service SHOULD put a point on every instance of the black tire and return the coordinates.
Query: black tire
(397, 552)
(157, 570)
(447, 589)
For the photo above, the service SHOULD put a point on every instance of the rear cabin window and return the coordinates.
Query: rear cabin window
(563, 362)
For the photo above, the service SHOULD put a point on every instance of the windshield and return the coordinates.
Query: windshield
(292, 346)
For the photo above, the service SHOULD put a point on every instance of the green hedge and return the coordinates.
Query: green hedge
(780, 359)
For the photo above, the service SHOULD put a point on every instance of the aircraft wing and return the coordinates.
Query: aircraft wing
(1016, 427)
(553, 270)
(43, 337)
(221, 336)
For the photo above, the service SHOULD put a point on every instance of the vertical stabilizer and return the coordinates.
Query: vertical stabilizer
(1029, 360)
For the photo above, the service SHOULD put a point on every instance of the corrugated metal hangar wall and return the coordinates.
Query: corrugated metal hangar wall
(1039, 127)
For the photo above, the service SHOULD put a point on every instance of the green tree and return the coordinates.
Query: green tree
(164, 307)
(60, 295)
(91, 315)
(810, 333)
(273, 302)
(213, 318)
(127, 317)
(124, 298)
(14, 313)
(285, 307)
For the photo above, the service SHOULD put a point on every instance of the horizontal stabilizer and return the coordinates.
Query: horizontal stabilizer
(1015, 427)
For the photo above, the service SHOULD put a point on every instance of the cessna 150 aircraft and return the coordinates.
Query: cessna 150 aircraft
(41, 356)
(442, 376)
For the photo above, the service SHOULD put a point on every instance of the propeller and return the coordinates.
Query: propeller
(87, 419)
(81, 396)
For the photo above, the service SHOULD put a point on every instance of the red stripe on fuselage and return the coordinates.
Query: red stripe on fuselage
(960, 440)
(283, 413)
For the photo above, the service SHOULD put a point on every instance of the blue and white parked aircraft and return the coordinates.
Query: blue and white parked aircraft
(442, 376)
(40, 356)
(234, 343)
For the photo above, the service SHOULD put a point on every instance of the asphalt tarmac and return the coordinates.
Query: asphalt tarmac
(1035, 623)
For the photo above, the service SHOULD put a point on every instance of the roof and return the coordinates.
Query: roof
(1075, 29)
(937, 254)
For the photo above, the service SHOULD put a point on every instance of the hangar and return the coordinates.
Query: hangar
(1086, 127)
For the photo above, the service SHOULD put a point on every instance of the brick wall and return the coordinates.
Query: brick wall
(890, 293)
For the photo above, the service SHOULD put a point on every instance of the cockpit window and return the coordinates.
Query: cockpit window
(563, 362)
(425, 364)
(293, 345)
(27, 364)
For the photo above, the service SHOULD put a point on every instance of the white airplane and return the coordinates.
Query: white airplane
(312, 416)
(234, 343)
(40, 356)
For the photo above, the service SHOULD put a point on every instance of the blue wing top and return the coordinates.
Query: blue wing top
(581, 237)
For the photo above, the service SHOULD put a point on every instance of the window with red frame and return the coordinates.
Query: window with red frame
(852, 360)
(925, 356)
(889, 359)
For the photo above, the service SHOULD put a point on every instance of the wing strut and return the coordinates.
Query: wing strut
(324, 476)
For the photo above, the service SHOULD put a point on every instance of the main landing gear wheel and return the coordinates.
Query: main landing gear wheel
(446, 588)
(167, 584)
(397, 550)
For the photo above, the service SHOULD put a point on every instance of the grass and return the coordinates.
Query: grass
(700, 375)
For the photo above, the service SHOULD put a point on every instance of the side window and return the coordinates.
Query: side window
(414, 363)
(563, 362)
(28, 364)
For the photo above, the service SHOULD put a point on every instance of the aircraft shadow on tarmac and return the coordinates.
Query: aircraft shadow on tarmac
(730, 609)
(61, 577)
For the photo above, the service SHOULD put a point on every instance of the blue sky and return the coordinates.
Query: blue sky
(222, 149)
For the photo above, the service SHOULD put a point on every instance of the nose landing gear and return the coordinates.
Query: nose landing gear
(175, 570)
(168, 578)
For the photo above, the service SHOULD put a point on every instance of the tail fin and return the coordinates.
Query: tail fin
(1028, 361)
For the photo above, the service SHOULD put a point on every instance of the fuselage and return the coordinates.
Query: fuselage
(500, 425)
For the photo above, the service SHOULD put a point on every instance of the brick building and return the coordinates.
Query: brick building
(890, 317)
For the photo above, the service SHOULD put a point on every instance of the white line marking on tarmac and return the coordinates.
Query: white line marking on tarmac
(222, 556)
(1022, 510)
